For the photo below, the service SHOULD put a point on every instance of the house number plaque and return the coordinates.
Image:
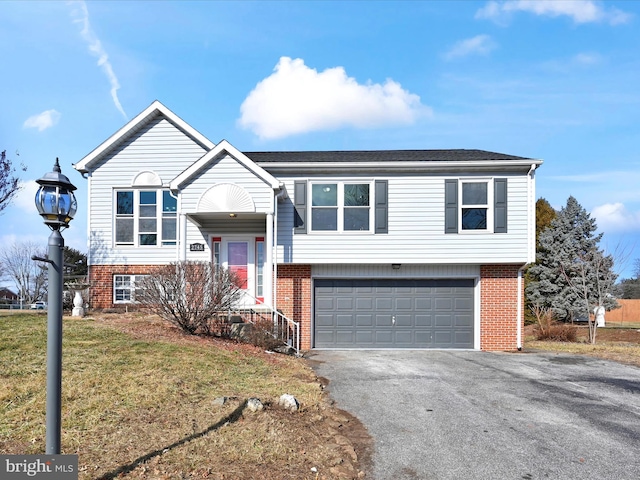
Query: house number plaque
(196, 247)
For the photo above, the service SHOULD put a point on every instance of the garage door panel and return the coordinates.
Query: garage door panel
(464, 321)
(404, 303)
(325, 337)
(442, 337)
(345, 320)
(423, 303)
(464, 304)
(444, 320)
(364, 303)
(325, 304)
(365, 338)
(404, 338)
(444, 303)
(345, 303)
(383, 337)
(359, 313)
(344, 337)
(385, 303)
(325, 320)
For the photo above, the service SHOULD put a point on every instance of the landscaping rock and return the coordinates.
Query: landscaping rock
(285, 350)
(289, 402)
(254, 405)
(220, 401)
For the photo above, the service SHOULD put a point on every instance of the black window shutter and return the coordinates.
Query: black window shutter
(300, 206)
(382, 206)
(451, 206)
(500, 205)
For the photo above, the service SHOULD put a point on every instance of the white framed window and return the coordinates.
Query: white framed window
(145, 217)
(476, 198)
(124, 288)
(341, 206)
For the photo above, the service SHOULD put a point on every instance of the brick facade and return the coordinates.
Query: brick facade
(101, 279)
(294, 298)
(499, 307)
(498, 302)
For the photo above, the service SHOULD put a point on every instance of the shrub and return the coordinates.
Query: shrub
(260, 333)
(559, 332)
(191, 295)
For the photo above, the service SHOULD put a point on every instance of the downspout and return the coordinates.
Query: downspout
(519, 310)
(530, 248)
(274, 248)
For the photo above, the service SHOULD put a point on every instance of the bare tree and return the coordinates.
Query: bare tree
(9, 183)
(29, 276)
(590, 275)
(189, 294)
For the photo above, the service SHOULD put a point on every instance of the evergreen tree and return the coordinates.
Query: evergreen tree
(572, 275)
(545, 214)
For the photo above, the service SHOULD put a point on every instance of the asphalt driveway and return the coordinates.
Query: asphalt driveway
(477, 415)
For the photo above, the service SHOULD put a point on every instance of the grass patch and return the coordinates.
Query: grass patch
(617, 344)
(137, 407)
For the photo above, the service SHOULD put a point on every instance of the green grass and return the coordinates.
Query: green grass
(124, 398)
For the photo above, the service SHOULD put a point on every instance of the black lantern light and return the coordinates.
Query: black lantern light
(55, 200)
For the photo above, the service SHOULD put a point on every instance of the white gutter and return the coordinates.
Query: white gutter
(401, 165)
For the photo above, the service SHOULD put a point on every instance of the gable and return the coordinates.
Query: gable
(154, 114)
(215, 154)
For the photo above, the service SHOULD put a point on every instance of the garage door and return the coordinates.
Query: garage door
(385, 313)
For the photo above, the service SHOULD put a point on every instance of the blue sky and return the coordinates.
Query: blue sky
(555, 80)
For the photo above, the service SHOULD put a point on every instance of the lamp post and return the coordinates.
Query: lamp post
(57, 205)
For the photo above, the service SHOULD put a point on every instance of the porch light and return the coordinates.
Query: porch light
(233, 215)
(55, 200)
(396, 266)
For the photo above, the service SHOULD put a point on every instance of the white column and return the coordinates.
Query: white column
(182, 236)
(268, 263)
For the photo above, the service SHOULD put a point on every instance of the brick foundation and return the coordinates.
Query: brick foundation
(101, 279)
(294, 298)
(499, 307)
(498, 303)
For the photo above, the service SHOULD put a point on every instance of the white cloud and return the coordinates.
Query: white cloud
(586, 59)
(297, 99)
(580, 11)
(43, 120)
(81, 16)
(480, 44)
(25, 198)
(614, 217)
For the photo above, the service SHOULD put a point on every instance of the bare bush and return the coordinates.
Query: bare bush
(261, 334)
(544, 318)
(191, 295)
(559, 332)
(549, 329)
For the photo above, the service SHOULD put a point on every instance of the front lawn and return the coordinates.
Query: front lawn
(137, 401)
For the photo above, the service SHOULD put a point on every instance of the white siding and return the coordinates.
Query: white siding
(227, 170)
(416, 230)
(386, 271)
(159, 147)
